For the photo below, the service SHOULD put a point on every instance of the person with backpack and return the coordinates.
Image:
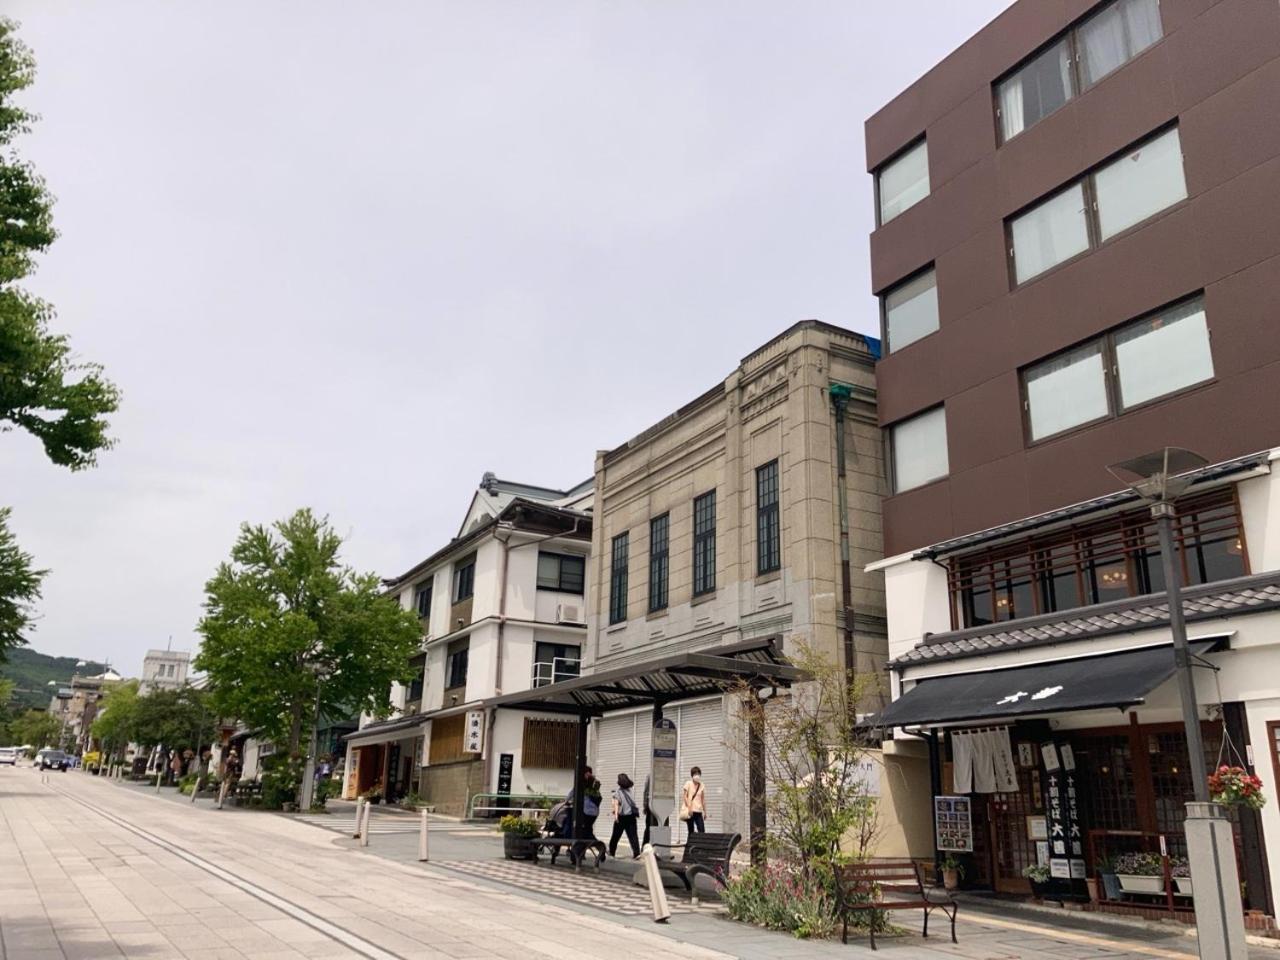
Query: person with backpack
(625, 815)
(693, 802)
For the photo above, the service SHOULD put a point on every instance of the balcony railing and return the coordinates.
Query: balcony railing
(553, 671)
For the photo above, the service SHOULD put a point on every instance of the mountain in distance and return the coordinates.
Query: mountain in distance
(32, 671)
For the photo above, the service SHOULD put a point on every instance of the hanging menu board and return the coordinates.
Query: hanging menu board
(1062, 809)
(953, 819)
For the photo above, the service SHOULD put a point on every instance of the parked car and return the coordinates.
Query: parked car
(50, 759)
(9, 755)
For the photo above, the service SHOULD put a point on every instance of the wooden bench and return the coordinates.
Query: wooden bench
(705, 854)
(557, 844)
(865, 886)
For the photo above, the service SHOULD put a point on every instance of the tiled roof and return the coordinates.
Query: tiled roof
(1205, 602)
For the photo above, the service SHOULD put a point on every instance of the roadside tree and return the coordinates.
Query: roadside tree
(37, 728)
(289, 632)
(175, 719)
(117, 720)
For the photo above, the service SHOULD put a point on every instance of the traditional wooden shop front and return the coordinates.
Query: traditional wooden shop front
(1058, 743)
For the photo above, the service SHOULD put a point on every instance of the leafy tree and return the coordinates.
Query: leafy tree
(44, 390)
(176, 719)
(117, 720)
(37, 728)
(287, 628)
(19, 588)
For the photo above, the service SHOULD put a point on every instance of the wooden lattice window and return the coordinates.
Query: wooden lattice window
(446, 739)
(549, 744)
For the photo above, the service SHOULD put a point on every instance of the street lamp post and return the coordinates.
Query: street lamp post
(1159, 478)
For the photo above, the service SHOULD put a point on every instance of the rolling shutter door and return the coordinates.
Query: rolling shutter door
(701, 729)
(615, 751)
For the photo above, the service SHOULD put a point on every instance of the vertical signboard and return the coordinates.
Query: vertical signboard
(473, 732)
(662, 774)
(1062, 812)
(953, 819)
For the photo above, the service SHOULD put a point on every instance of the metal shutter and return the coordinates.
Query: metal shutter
(702, 744)
(615, 753)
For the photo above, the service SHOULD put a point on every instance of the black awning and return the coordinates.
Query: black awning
(1118, 680)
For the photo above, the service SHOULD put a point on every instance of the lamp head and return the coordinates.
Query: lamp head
(1160, 476)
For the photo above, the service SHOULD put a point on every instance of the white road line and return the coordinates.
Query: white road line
(361, 946)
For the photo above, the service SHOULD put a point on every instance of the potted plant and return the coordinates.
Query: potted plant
(1038, 874)
(517, 836)
(373, 795)
(1140, 873)
(1236, 787)
(1180, 870)
(952, 870)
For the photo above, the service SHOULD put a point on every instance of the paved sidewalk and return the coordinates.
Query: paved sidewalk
(76, 884)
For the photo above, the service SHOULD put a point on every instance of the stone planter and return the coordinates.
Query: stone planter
(1133, 883)
(516, 847)
(950, 879)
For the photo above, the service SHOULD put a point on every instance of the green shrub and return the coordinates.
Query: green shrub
(281, 778)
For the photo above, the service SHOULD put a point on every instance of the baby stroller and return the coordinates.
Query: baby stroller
(558, 818)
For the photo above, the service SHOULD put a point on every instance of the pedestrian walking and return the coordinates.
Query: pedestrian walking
(175, 766)
(625, 814)
(693, 802)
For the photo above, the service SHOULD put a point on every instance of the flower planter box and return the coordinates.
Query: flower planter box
(1183, 885)
(1133, 883)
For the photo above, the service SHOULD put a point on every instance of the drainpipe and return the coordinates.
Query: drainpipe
(840, 394)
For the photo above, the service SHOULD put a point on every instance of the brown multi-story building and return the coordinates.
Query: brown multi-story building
(1077, 254)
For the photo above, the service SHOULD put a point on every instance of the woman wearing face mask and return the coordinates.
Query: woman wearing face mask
(693, 802)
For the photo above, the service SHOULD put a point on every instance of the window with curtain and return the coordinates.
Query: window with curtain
(903, 181)
(618, 577)
(1066, 391)
(919, 448)
(1035, 90)
(1115, 35)
(659, 561)
(911, 310)
(704, 543)
(1163, 354)
(1140, 184)
(1047, 234)
(561, 572)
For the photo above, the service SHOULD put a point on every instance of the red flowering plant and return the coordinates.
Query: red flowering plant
(1236, 786)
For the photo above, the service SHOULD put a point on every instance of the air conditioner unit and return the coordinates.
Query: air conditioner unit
(570, 613)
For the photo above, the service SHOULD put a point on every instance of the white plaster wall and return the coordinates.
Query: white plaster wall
(433, 679)
(481, 663)
(1260, 507)
(917, 602)
(522, 580)
(488, 560)
(517, 658)
(508, 737)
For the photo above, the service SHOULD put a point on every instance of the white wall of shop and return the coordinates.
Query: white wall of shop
(507, 736)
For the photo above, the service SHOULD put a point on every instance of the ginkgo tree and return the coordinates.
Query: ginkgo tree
(290, 632)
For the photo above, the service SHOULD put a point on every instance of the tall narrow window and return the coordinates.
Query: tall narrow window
(422, 598)
(919, 449)
(903, 181)
(911, 310)
(1115, 35)
(704, 543)
(455, 666)
(1035, 90)
(659, 561)
(618, 578)
(464, 579)
(768, 525)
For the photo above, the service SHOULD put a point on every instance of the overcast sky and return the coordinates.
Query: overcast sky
(351, 256)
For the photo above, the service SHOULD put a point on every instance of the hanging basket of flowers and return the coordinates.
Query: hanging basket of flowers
(1236, 787)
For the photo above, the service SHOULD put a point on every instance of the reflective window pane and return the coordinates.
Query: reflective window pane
(1036, 90)
(1050, 233)
(1067, 390)
(920, 449)
(1140, 184)
(1116, 35)
(1163, 353)
(911, 310)
(904, 182)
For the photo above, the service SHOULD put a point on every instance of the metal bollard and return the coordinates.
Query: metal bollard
(657, 893)
(355, 834)
(422, 839)
(364, 829)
